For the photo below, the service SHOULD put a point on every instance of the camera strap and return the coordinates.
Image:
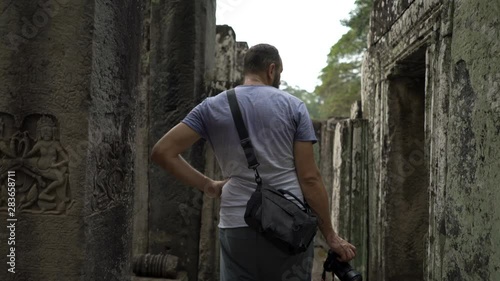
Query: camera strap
(245, 141)
(323, 275)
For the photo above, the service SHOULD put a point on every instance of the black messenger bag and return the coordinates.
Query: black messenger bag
(268, 211)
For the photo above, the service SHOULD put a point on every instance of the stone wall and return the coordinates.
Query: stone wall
(182, 35)
(67, 111)
(471, 220)
(430, 93)
(343, 166)
(89, 87)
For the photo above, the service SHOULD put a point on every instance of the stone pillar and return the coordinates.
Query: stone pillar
(437, 105)
(112, 119)
(229, 60)
(225, 59)
(241, 50)
(141, 195)
(359, 194)
(67, 111)
(326, 155)
(469, 230)
(45, 69)
(342, 178)
(227, 74)
(326, 138)
(179, 69)
(349, 181)
(209, 234)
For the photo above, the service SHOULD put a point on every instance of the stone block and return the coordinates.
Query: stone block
(181, 276)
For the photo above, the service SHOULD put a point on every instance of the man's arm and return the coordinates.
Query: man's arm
(316, 196)
(166, 153)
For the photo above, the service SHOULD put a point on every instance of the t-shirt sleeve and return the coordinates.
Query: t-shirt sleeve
(305, 129)
(196, 119)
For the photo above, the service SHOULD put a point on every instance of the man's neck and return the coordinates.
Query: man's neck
(253, 79)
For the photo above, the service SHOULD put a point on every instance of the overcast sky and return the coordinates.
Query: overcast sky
(303, 33)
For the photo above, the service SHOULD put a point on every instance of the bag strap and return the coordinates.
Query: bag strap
(245, 141)
(303, 204)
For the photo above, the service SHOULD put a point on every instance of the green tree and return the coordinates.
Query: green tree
(341, 78)
(312, 101)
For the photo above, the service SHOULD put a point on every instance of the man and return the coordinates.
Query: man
(282, 135)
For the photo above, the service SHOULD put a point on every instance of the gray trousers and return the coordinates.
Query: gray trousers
(247, 256)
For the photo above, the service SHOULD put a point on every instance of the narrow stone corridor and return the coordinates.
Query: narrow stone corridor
(88, 87)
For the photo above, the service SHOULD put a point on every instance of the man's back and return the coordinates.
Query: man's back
(282, 134)
(274, 119)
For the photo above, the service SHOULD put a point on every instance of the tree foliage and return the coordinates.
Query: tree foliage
(312, 101)
(341, 78)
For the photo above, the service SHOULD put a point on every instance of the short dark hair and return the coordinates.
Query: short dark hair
(260, 57)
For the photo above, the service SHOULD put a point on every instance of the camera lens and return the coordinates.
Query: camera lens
(352, 276)
(342, 270)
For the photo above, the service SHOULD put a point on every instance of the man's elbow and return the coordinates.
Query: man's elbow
(310, 179)
(157, 154)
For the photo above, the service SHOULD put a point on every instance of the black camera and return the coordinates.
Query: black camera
(342, 270)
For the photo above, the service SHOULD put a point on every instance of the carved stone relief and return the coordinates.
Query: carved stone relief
(40, 162)
(111, 179)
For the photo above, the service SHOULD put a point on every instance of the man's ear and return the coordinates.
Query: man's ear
(271, 70)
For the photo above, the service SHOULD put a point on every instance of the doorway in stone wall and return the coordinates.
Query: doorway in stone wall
(406, 200)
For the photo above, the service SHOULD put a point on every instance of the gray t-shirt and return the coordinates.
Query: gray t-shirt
(274, 119)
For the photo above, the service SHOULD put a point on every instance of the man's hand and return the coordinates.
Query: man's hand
(167, 154)
(316, 196)
(344, 249)
(213, 189)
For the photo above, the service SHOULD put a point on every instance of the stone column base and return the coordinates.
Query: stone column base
(181, 276)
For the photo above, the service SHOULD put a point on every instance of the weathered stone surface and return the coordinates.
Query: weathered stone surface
(457, 48)
(437, 105)
(209, 257)
(356, 111)
(64, 78)
(359, 195)
(325, 157)
(471, 222)
(349, 195)
(178, 72)
(342, 157)
(327, 138)
(228, 73)
(182, 276)
(241, 50)
(320, 255)
(76, 78)
(141, 193)
(406, 184)
(112, 119)
(225, 66)
(78, 75)
(396, 25)
(229, 59)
